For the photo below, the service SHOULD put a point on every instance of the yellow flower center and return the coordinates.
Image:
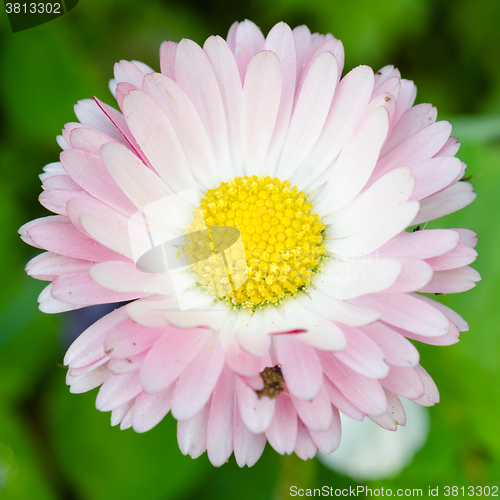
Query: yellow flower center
(279, 249)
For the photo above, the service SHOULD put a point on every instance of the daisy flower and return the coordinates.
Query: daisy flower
(252, 208)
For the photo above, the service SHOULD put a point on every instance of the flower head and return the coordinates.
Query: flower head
(253, 206)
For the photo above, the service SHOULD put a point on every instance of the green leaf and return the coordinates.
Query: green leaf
(103, 462)
(22, 475)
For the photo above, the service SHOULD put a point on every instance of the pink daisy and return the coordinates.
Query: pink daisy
(306, 309)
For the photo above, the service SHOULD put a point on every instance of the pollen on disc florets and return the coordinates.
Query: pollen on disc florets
(282, 240)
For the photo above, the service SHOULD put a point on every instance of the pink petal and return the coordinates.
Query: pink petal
(80, 289)
(65, 239)
(192, 433)
(118, 414)
(89, 140)
(61, 181)
(407, 312)
(90, 206)
(467, 237)
(119, 121)
(302, 37)
(309, 115)
(362, 354)
(127, 420)
(195, 76)
(420, 244)
(282, 432)
(431, 394)
(109, 236)
(248, 41)
(126, 365)
(188, 128)
(128, 339)
(328, 44)
(300, 366)
(125, 71)
(415, 275)
(412, 121)
(255, 412)
(452, 281)
(280, 41)
(248, 447)
(329, 440)
(125, 277)
(50, 305)
(252, 336)
(89, 172)
(452, 337)
(384, 74)
(404, 382)
(197, 381)
(147, 312)
(88, 381)
(355, 163)
(167, 59)
(88, 347)
(340, 310)
(89, 113)
(47, 266)
(417, 148)
(141, 185)
(117, 390)
(122, 90)
(460, 256)
(231, 90)
(407, 96)
(434, 175)
(379, 233)
(394, 416)
(349, 101)
(397, 350)
(56, 200)
(259, 109)
(304, 447)
(169, 356)
(347, 280)
(389, 86)
(240, 361)
(320, 333)
(317, 414)
(220, 430)
(450, 148)
(157, 139)
(448, 312)
(388, 192)
(450, 200)
(341, 402)
(42, 221)
(149, 409)
(365, 393)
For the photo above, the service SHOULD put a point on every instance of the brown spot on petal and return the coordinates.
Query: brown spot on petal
(273, 382)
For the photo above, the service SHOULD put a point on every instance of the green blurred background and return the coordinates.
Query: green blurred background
(54, 445)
